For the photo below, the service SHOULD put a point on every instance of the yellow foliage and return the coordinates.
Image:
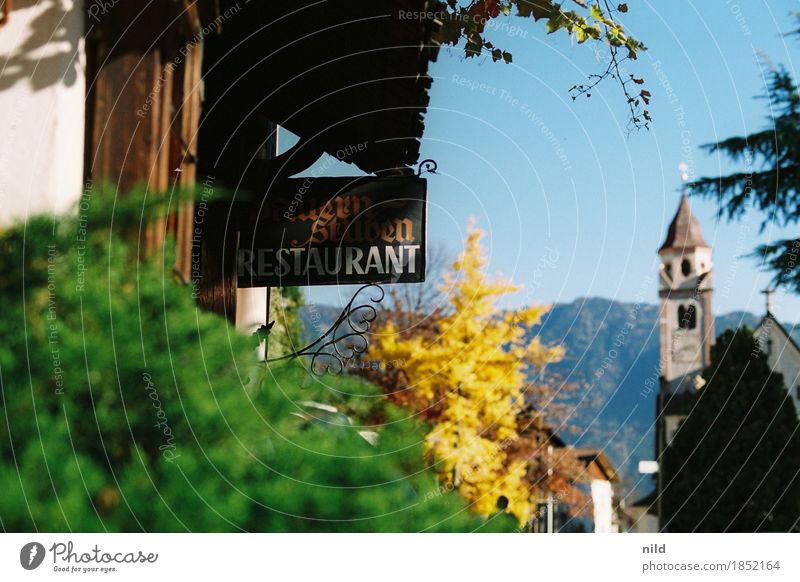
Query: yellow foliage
(469, 381)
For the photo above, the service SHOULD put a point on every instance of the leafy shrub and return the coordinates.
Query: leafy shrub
(124, 407)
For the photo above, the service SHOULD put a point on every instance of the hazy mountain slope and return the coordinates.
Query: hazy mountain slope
(612, 354)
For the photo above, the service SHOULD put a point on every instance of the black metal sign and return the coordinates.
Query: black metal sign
(323, 231)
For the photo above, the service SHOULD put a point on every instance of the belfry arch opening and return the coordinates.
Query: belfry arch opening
(687, 317)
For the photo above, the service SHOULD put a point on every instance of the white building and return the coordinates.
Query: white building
(43, 100)
(783, 353)
(686, 320)
(601, 476)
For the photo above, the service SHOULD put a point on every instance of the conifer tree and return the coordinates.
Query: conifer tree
(767, 178)
(733, 464)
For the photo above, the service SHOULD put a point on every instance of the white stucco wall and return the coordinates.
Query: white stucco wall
(42, 95)
(251, 311)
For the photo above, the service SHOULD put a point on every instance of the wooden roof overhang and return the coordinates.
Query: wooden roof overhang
(349, 78)
(597, 460)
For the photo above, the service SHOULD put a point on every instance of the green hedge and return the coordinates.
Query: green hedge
(126, 408)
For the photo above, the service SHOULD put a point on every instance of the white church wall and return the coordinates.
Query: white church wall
(42, 95)
(782, 356)
(702, 261)
(699, 261)
(683, 344)
(687, 344)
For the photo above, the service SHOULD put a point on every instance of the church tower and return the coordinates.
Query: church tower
(686, 320)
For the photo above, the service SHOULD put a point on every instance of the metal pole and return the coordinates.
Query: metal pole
(660, 446)
(550, 491)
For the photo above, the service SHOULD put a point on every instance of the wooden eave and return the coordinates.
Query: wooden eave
(349, 78)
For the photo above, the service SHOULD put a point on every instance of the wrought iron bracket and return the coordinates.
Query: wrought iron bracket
(346, 338)
(428, 165)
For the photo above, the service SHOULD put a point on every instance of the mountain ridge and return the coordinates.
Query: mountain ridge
(612, 352)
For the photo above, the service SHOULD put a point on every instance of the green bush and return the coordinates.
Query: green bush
(125, 408)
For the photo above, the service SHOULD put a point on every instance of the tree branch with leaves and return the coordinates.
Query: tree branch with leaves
(590, 21)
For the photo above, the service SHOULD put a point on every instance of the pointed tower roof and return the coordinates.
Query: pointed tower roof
(684, 231)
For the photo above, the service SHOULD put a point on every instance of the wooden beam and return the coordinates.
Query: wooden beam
(143, 108)
(220, 240)
(186, 103)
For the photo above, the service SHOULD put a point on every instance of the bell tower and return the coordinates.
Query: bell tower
(686, 319)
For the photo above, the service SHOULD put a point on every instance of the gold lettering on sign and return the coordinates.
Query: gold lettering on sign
(350, 219)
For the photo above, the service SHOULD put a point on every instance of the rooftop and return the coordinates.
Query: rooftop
(684, 232)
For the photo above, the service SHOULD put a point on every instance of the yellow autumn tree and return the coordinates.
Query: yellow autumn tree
(468, 379)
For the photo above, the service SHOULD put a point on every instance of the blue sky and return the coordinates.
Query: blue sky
(573, 205)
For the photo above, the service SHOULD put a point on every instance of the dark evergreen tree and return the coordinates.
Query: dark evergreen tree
(769, 179)
(733, 464)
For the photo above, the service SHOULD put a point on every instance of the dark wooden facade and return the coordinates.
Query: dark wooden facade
(185, 92)
(143, 107)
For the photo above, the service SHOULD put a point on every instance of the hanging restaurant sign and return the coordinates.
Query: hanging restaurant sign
(323, 231)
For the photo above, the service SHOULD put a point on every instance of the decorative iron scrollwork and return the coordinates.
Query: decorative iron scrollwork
(429, 166)
(346, 337)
